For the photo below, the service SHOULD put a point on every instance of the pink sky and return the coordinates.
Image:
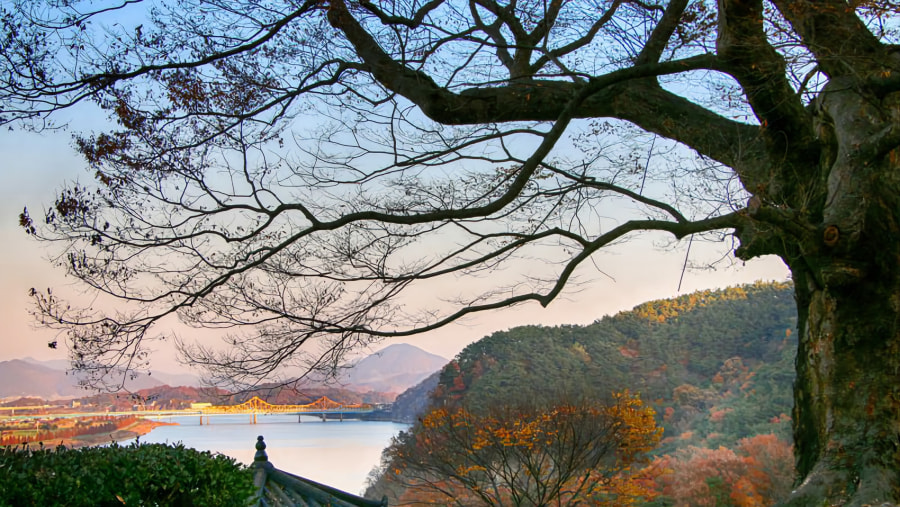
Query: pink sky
(35, 166)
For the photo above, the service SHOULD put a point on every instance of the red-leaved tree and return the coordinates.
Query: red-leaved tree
(758, 473)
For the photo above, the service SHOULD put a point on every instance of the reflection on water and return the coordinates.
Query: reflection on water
(336, 453)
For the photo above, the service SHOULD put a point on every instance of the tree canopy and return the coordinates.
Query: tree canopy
(564, 455)
(297, 168)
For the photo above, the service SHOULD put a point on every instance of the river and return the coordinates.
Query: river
(337, 453)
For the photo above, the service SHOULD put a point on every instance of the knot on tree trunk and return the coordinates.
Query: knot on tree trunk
(831, 235)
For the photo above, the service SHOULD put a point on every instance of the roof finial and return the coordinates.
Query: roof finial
(260, 451)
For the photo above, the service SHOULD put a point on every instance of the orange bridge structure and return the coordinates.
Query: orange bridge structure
(256, 406)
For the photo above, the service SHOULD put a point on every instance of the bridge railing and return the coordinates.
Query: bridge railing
(258, 406)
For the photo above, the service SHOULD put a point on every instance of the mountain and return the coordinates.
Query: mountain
(716, 365)
(392, 369)
(20, 378)
(55, 364)
(50, 380)
(410, 404)
(176, 379)
(158, 377)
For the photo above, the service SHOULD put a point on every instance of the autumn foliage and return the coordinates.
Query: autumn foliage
(758, 473)
(563, 455)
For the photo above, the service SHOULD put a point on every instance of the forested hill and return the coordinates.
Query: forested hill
(716, 365)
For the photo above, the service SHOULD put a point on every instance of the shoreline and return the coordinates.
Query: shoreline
(134, 430)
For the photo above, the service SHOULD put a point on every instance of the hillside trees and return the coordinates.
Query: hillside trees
(758, 474)
(740, 335)
(450, 118)
(726, 435)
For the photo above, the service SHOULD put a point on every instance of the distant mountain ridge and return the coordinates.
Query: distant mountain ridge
(390, 370)
(29, 378)
(55, 364)
(393, 369)
(158, 377)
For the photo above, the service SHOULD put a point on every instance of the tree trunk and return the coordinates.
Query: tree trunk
(845, 261)
(847, 393)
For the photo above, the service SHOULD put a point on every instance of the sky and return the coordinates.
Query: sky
(35, 166)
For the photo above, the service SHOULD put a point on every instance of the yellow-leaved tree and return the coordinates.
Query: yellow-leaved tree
(561, 455)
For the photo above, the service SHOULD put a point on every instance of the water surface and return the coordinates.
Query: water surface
(337, 453)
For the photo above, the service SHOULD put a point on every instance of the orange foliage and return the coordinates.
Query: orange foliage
(662, 310)
(561, 455)
(669, 412)
(629, 353)
(758, 473)
(716, 415)
(638, 431)
(628, 488)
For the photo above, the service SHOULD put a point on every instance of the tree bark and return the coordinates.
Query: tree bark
(847, 393)
(847, 283)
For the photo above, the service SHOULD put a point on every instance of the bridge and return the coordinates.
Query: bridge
(255, 406)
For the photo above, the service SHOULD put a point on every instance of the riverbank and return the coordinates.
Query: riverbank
(138, 428)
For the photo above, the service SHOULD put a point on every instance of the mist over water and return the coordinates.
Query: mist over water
(337, 453)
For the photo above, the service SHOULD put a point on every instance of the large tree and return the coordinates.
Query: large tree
(434, 140)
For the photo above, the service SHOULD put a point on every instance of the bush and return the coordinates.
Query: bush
(138, 474)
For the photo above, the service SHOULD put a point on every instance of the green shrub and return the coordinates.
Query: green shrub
(138, 474)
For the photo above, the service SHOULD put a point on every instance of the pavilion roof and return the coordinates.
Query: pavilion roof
(278, 488)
